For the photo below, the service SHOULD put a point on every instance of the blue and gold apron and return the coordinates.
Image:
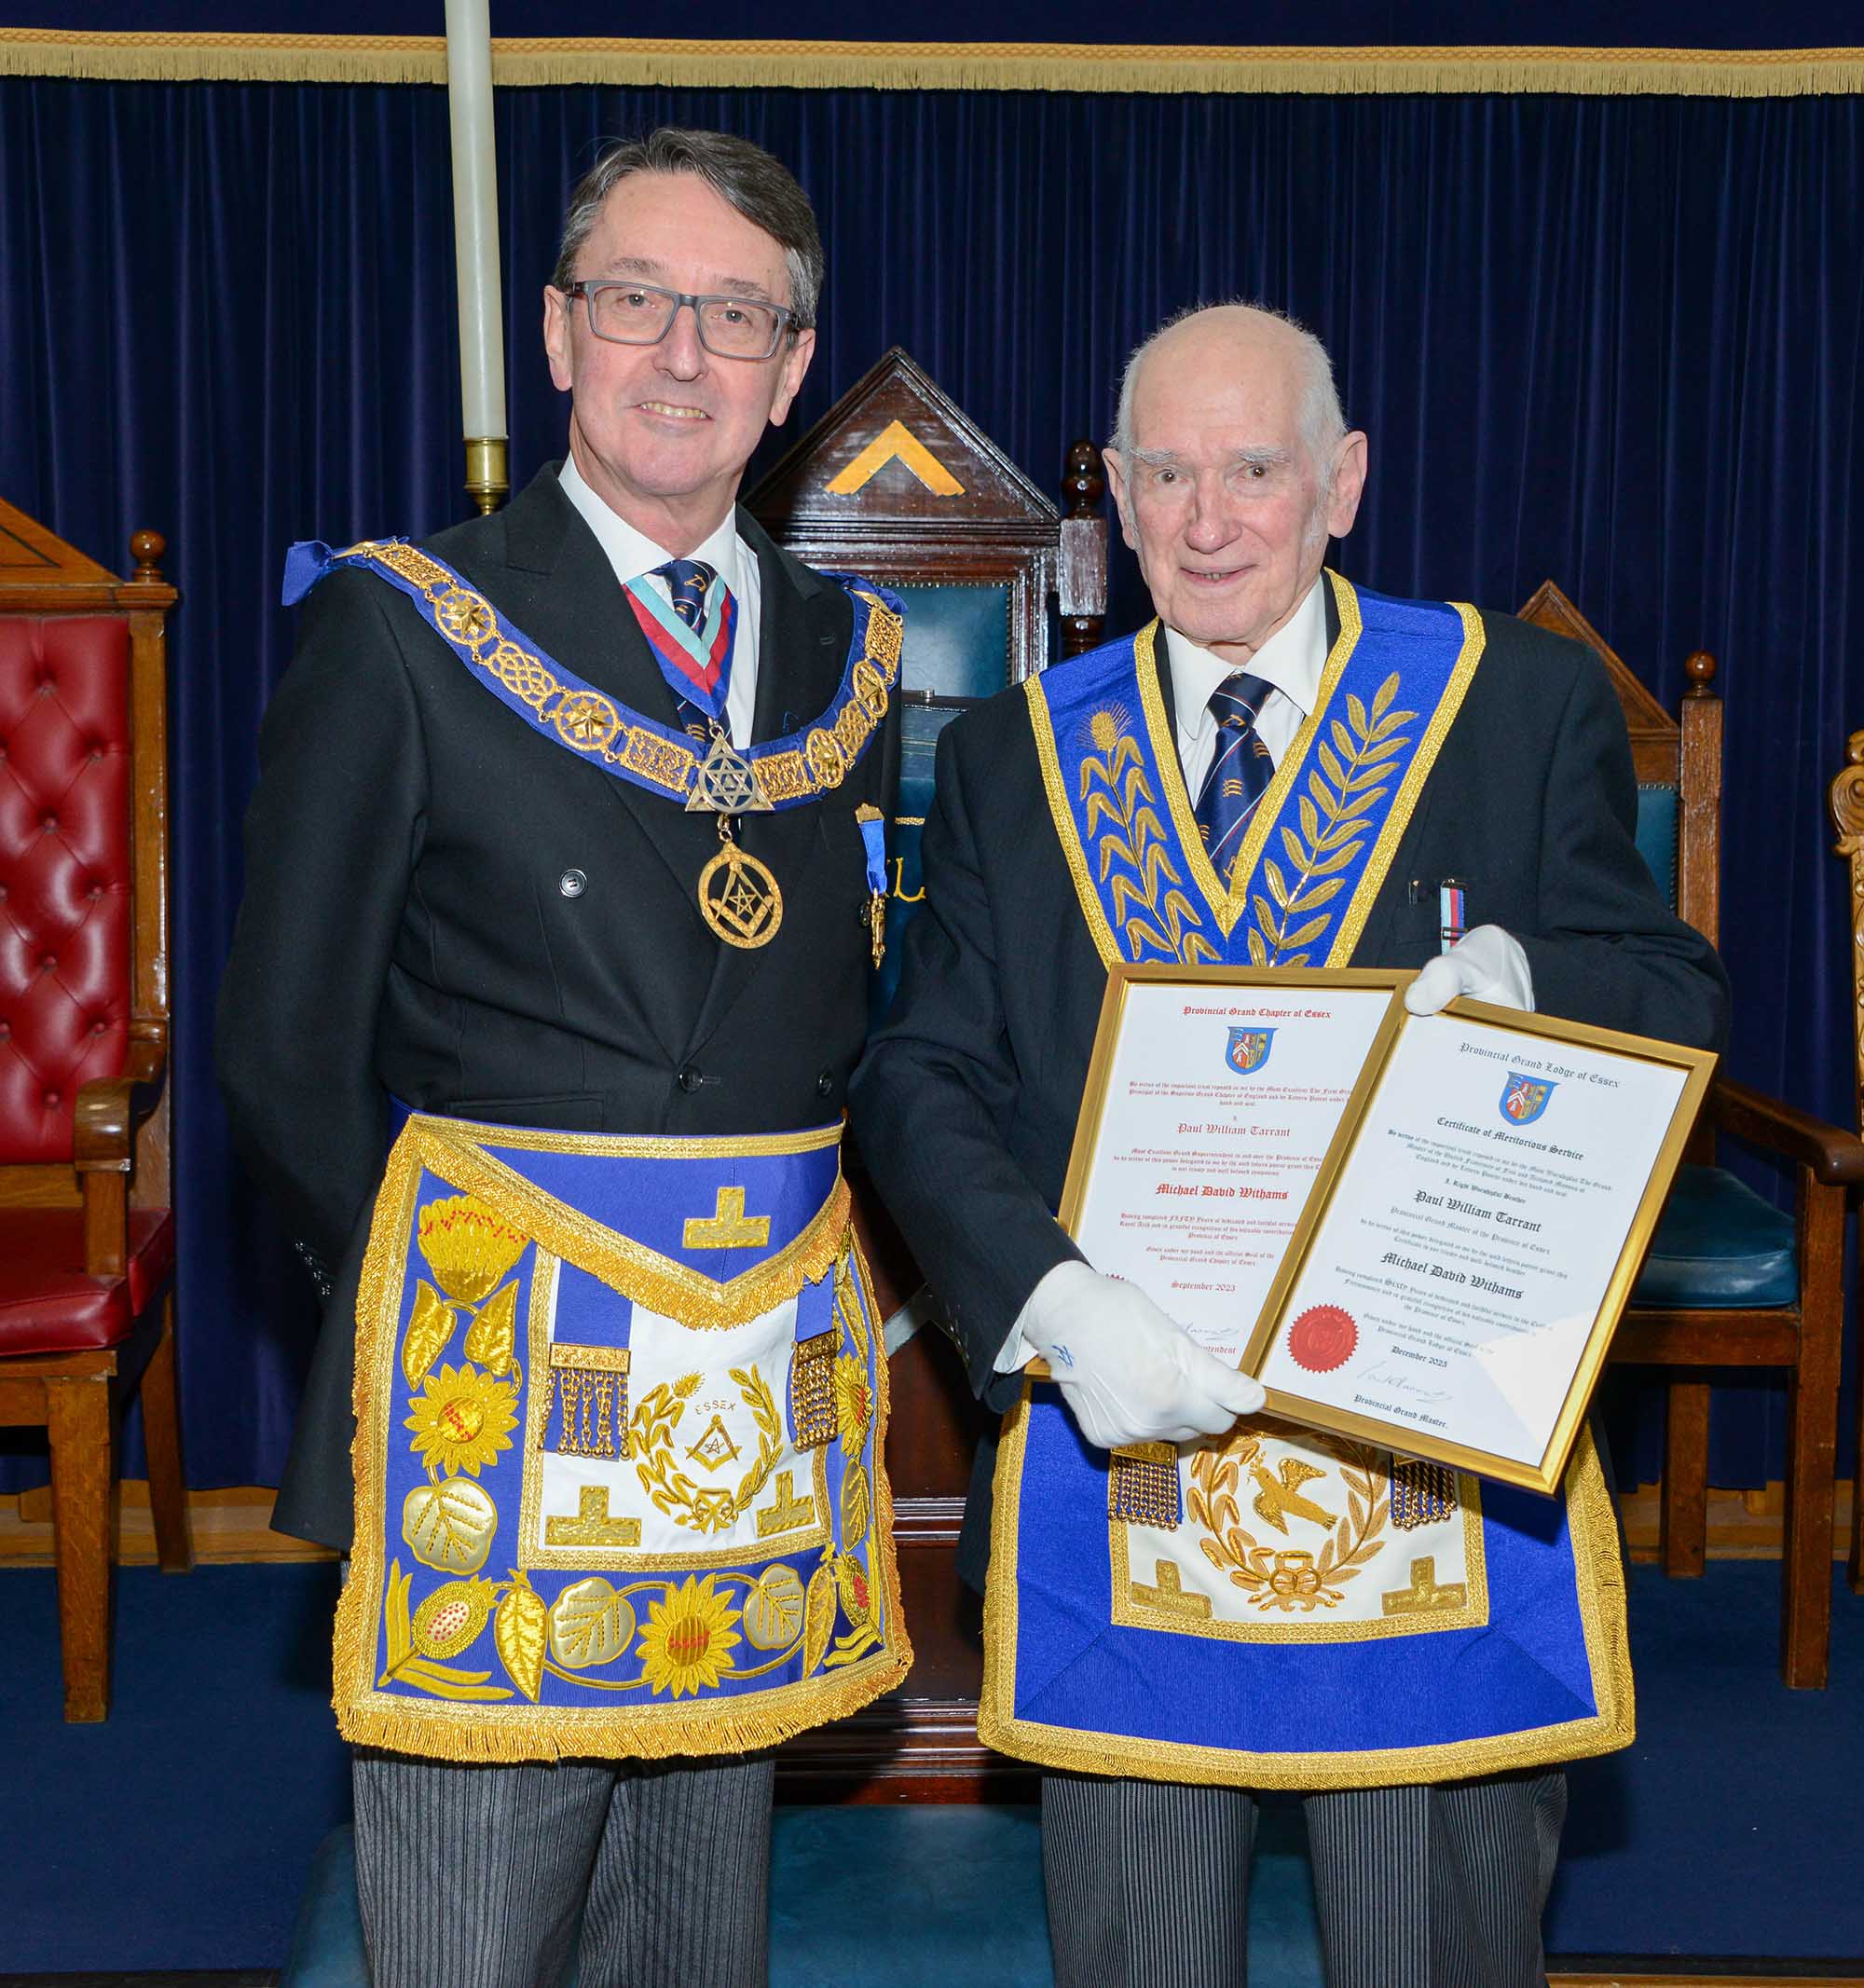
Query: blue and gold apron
(620, 1406)
(1283, 1608)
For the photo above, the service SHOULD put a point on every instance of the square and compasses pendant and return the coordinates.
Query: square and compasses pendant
(726, 784)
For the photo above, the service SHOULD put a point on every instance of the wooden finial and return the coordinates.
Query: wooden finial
(1084, 480)
(1699, 670)
(146, 548)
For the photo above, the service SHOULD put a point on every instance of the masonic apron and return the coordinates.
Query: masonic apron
(1281, 1608)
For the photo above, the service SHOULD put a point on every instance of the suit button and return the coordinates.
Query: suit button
(825, 1084)
(690, 1078)
(573, 883)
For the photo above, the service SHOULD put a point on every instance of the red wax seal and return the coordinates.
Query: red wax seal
(1322, 1338)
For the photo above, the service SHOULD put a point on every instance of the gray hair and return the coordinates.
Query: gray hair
(1323, 424)
(761, 188)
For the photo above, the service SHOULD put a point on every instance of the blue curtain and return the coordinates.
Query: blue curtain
(1610, 341)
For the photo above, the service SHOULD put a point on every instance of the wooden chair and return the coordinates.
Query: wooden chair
(1730, 1281)
(897, 483)
(87, 1231)
(1847, 818)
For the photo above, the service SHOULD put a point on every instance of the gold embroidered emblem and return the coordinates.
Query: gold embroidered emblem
(715, 1448)
(592, 1526)
(462, 1421)
(1149, 905)
(688, 1640)
(1335, 818)
(785, 1512)
(1281, 1498)
(591, 1623)
(1291, 1579)
(1167, 1593)
(704, 1508)
(449, 1526)
(412, 1666)
(727, 1228)
(1424, 1593)
(739, 899)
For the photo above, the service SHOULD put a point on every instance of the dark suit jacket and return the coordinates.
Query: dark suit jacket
(964, 1104)
(412, 928)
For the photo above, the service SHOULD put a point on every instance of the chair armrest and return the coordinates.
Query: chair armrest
(1835, 1156)
(109, 1108)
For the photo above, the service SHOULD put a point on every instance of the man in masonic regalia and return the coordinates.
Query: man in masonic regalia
(1250, 1619)
(561, 907)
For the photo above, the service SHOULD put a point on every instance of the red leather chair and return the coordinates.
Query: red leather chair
(86, 1232)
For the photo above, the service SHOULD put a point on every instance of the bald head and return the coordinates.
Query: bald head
(1243, 338)
(1231, 470)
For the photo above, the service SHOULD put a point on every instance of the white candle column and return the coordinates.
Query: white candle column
(475, 235)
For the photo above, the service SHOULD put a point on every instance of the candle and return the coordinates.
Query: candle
(475, 218)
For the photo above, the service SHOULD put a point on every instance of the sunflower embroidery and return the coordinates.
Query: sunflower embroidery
(461, 1419)
(688, 1640)
(854, 1404)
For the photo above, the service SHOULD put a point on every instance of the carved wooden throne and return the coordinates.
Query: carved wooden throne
(897, 483)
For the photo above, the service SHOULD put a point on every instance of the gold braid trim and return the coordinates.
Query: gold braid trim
(1042, 724)
(1599, 1583)
(1123, 69)
(637, 1272)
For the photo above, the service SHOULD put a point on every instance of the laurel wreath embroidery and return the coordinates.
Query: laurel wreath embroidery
(1283, 1580)
(704, 1508)
(1333, 813)
(1114, 786)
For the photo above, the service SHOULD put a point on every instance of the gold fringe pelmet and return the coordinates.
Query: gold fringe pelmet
(1135, 69)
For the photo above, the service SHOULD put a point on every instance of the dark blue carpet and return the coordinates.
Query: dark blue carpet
(179, 1834)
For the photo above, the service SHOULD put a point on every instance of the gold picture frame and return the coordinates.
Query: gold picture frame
(1608, 1305)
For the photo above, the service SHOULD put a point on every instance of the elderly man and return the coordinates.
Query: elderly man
(561, 884)
(1231, 468)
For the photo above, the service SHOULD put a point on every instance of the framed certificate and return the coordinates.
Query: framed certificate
(1417, 1230)
(1213, 1098)
(1453, 1281)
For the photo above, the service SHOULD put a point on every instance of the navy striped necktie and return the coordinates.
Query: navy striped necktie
(687, 580)
(1239, 769)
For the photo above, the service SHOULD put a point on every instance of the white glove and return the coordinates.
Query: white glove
(1487, 964)
(1129, 1373)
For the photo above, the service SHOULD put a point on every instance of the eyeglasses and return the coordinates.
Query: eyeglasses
(730, 328)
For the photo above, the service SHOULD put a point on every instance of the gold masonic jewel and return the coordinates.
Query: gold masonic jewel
(726, 784)
(738, 897)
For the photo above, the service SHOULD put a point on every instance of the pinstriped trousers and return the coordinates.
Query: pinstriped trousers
(1416, 1887)
(474, 1877)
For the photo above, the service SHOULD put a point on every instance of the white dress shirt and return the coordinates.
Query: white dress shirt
(633, 556)
(1292, 659)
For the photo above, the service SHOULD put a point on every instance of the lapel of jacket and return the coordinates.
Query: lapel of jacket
(801, 652)
(561, 590)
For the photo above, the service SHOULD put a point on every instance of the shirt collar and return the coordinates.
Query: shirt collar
(632, 552)
(1292, 659)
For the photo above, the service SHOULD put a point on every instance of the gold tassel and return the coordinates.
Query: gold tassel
(812, 1389)
(1143, 1486)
